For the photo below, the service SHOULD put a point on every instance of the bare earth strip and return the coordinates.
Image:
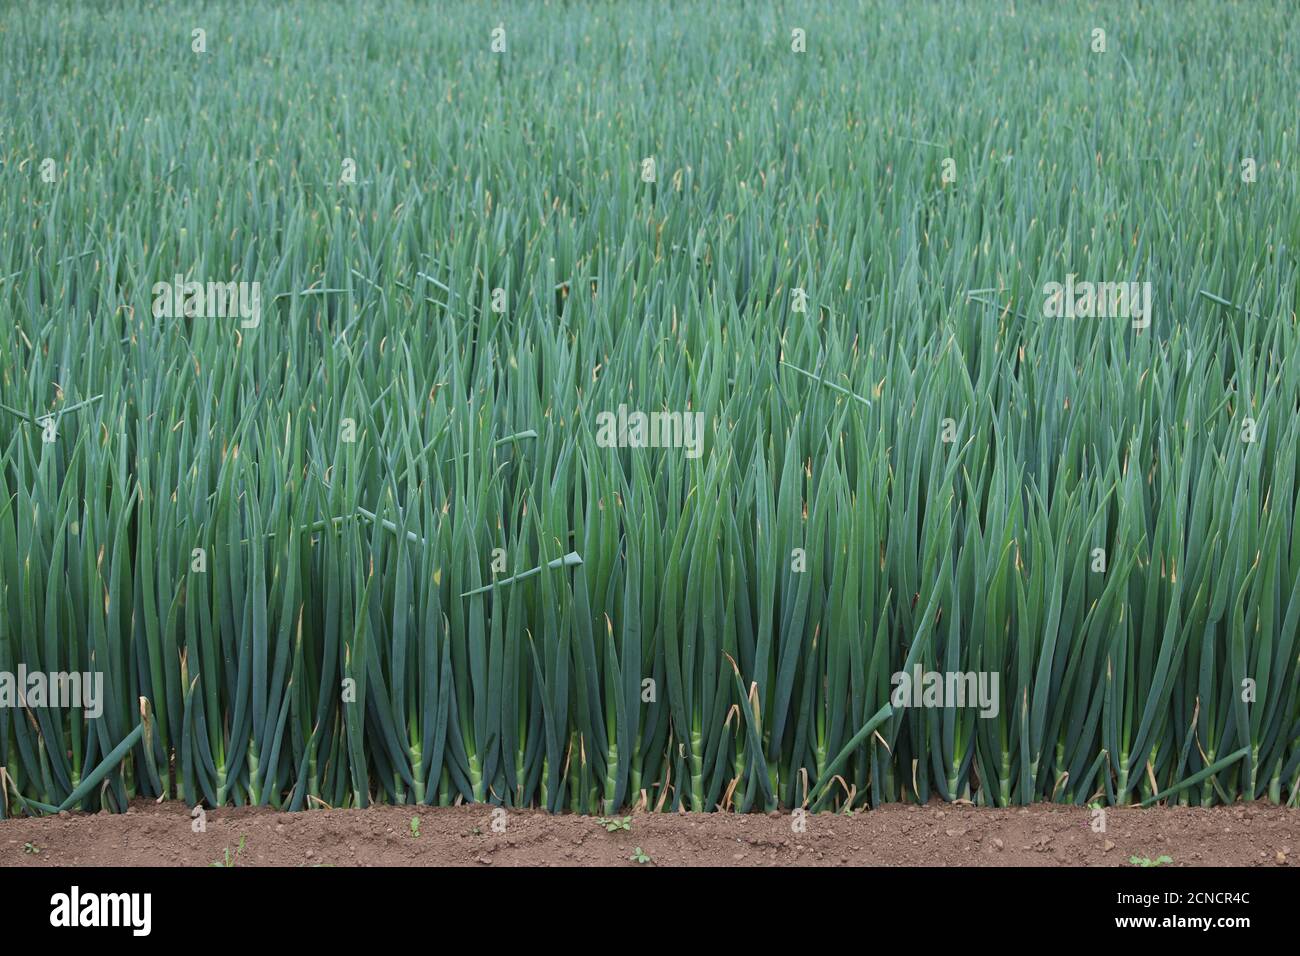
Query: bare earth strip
(936, 835)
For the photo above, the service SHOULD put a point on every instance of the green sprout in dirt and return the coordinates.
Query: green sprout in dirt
(415, 827)
(640, 856)
(31, 848)
(231, 858)
(1147, 861)
(615, 823)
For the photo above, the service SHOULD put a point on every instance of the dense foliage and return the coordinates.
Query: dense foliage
(920, 468)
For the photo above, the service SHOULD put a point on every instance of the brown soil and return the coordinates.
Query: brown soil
(936, 835)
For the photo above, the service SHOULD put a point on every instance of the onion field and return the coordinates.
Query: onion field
(688, 406)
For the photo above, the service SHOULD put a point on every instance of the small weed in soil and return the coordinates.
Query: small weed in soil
(31, 848)
(615, 823)
(415, 827)
(1147, 861)
(640, 856)
(231, 859)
